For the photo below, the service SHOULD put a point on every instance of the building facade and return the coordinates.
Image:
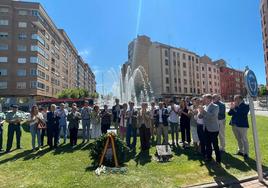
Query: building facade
(264, 17)
(36, 58)
(231, 81)
(173, 72)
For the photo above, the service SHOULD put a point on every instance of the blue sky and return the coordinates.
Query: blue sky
(101, 30)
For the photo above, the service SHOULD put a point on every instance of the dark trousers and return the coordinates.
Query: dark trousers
(131, 132)
(73, 136)
(1, 137)
(212, 139)
(52, 136)
(202, 138)
(10, 134)
(43, 133)
(185, 131)
(104, 128)
(145, 134)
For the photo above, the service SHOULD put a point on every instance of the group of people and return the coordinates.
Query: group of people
(201, 122)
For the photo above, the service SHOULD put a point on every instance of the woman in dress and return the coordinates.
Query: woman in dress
(193, 110)
(95, 122)
(123, 121)
(34, 119)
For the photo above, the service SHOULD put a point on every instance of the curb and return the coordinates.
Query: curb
(227, 183)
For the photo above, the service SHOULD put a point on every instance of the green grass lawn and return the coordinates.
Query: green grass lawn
(66, 167)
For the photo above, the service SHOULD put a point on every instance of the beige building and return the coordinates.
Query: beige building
(264, 17)
(173, 72)
(36, 58)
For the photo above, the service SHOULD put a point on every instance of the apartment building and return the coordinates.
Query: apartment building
(264, 17)
(37, 60)
(173, 72)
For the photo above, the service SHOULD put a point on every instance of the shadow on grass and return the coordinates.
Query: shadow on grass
(67, 148)
(143, 157)
(16, 156)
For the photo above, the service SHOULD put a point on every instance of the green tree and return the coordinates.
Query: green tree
(263, 91)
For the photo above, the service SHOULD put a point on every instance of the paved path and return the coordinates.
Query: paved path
(252, 184)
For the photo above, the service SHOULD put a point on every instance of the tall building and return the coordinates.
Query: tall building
(173, 72)
(264, 16)
(231, 81)
(37, 59)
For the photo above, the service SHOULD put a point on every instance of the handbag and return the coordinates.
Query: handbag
(41, 124)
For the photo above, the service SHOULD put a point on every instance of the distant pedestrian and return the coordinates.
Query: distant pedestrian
(34, 119)
(210, 117)
(161, 121)
(123, 121)
(52, 127)
(131, 116)
(95, 122)
(239, 121)
(185, 124)
(2, 120)
(116, 112)
(193, 110)
(14, 119)
(106, 117)
(62, 114)
(74, 118)
(222, 121)
(174, 123)
(85, 113)
(144, 127)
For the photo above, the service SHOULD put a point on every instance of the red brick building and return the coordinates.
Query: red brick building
(231, 83)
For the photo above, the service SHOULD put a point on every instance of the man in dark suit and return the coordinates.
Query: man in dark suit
(116, 111)
(239, 121)
(52, 127)
(210, 117)
(161, 122)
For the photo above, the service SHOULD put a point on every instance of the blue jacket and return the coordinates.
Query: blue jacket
(52, 120)
(239, 115)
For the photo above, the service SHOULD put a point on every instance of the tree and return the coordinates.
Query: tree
(73, 93)
(263, 91)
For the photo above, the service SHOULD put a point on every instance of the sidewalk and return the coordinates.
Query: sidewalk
(249, 182)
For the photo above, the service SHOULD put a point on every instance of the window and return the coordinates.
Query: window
(3, 72)
(185, 90)
(197, 68)
(203, 68)
(41, 74)
(33, 72)
(39, 50)
(209, 69)
(167, 80)
(166, 70)
(184, 81)
(23, 12)
(21, 85)
(33, 84)
(184, 73)
(35, 12)
(197, 76)
(3, 59)
(3, 22)
(183, 56)
(3, 85)
(209, 75)
(166, 53)
(176, 89)
(3, 47)
(167, 89)
(22, 36)
(40, 85)
(21, 48)
(203, 75)
(37, 37)
(3, 35)
(175, 80)
(174, 62)
(22, 24)
(21, 72)
(166, 62)
(21, 60)
(3, 10)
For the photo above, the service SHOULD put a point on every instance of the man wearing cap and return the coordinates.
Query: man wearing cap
(85, 114)
(62, 114)
(13, 118)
